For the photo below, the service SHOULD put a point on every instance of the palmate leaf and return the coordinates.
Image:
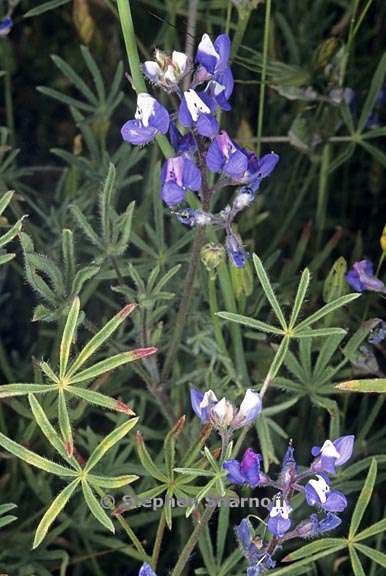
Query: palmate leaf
(77, 475)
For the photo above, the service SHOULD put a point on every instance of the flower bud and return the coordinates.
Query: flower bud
(212, 255)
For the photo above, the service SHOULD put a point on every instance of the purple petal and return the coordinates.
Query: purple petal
(146, 570)
(266, 164)
(330, 522)
(244, 533)
(206, 54)
(184, 116)
(172, 194)
(315, 451)
(234, 473)
(160, 118)
(133, 131)
(226, 79)
(236, 165)
(250, 467)
(222, 45)
(312, 496)
(207, 125)
(278, 525)
(336, 501)
(345, 446)
(196, 398)
(191, 177)
(214, 157)
(352, 278)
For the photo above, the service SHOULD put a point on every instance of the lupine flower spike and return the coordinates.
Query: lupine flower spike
(317, 491)
(202, 146)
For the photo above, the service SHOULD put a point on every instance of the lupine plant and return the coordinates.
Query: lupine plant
(192, 352)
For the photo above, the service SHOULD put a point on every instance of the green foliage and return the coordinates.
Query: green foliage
(99, 241)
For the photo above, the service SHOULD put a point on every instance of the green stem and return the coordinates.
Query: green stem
(349, 44)
(237, 341)
(183, 310)
(158, 540)
(213, 305)
(191, 543)
(263, 75)
(134, 63)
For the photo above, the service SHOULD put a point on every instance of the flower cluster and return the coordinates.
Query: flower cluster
(199, 144)
(221, 413)
(315, 485)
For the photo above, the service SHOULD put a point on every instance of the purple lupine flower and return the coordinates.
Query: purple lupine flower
(213, 60)
(361, 277)
(259, 561)
(246, 472)
(197, 111)
(328, 523)
(250, 408)
(178, 175)
(378, 333)
(318, 493)
(202, 403)
(5, 26)
(279, 522)
(236, 251)
(332, 454)
(151, 118)
(182, 143)
(222, 413)
(259, 168)
(315, 527)
(224, 156)
(146, 570)
(166, 71)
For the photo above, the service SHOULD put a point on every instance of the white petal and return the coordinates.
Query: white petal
(328, 449)
(209, 398)
(152, 70)
(145, 107)
(321, 488)
(223, 412)
(206, 45)
(250, 401)
(195, 105)
(180, 59)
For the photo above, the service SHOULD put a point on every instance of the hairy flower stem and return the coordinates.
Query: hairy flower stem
(158, 540)
(134, 63)
(186, 297)
(191, 543)
(187, 291)
(263, 76)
